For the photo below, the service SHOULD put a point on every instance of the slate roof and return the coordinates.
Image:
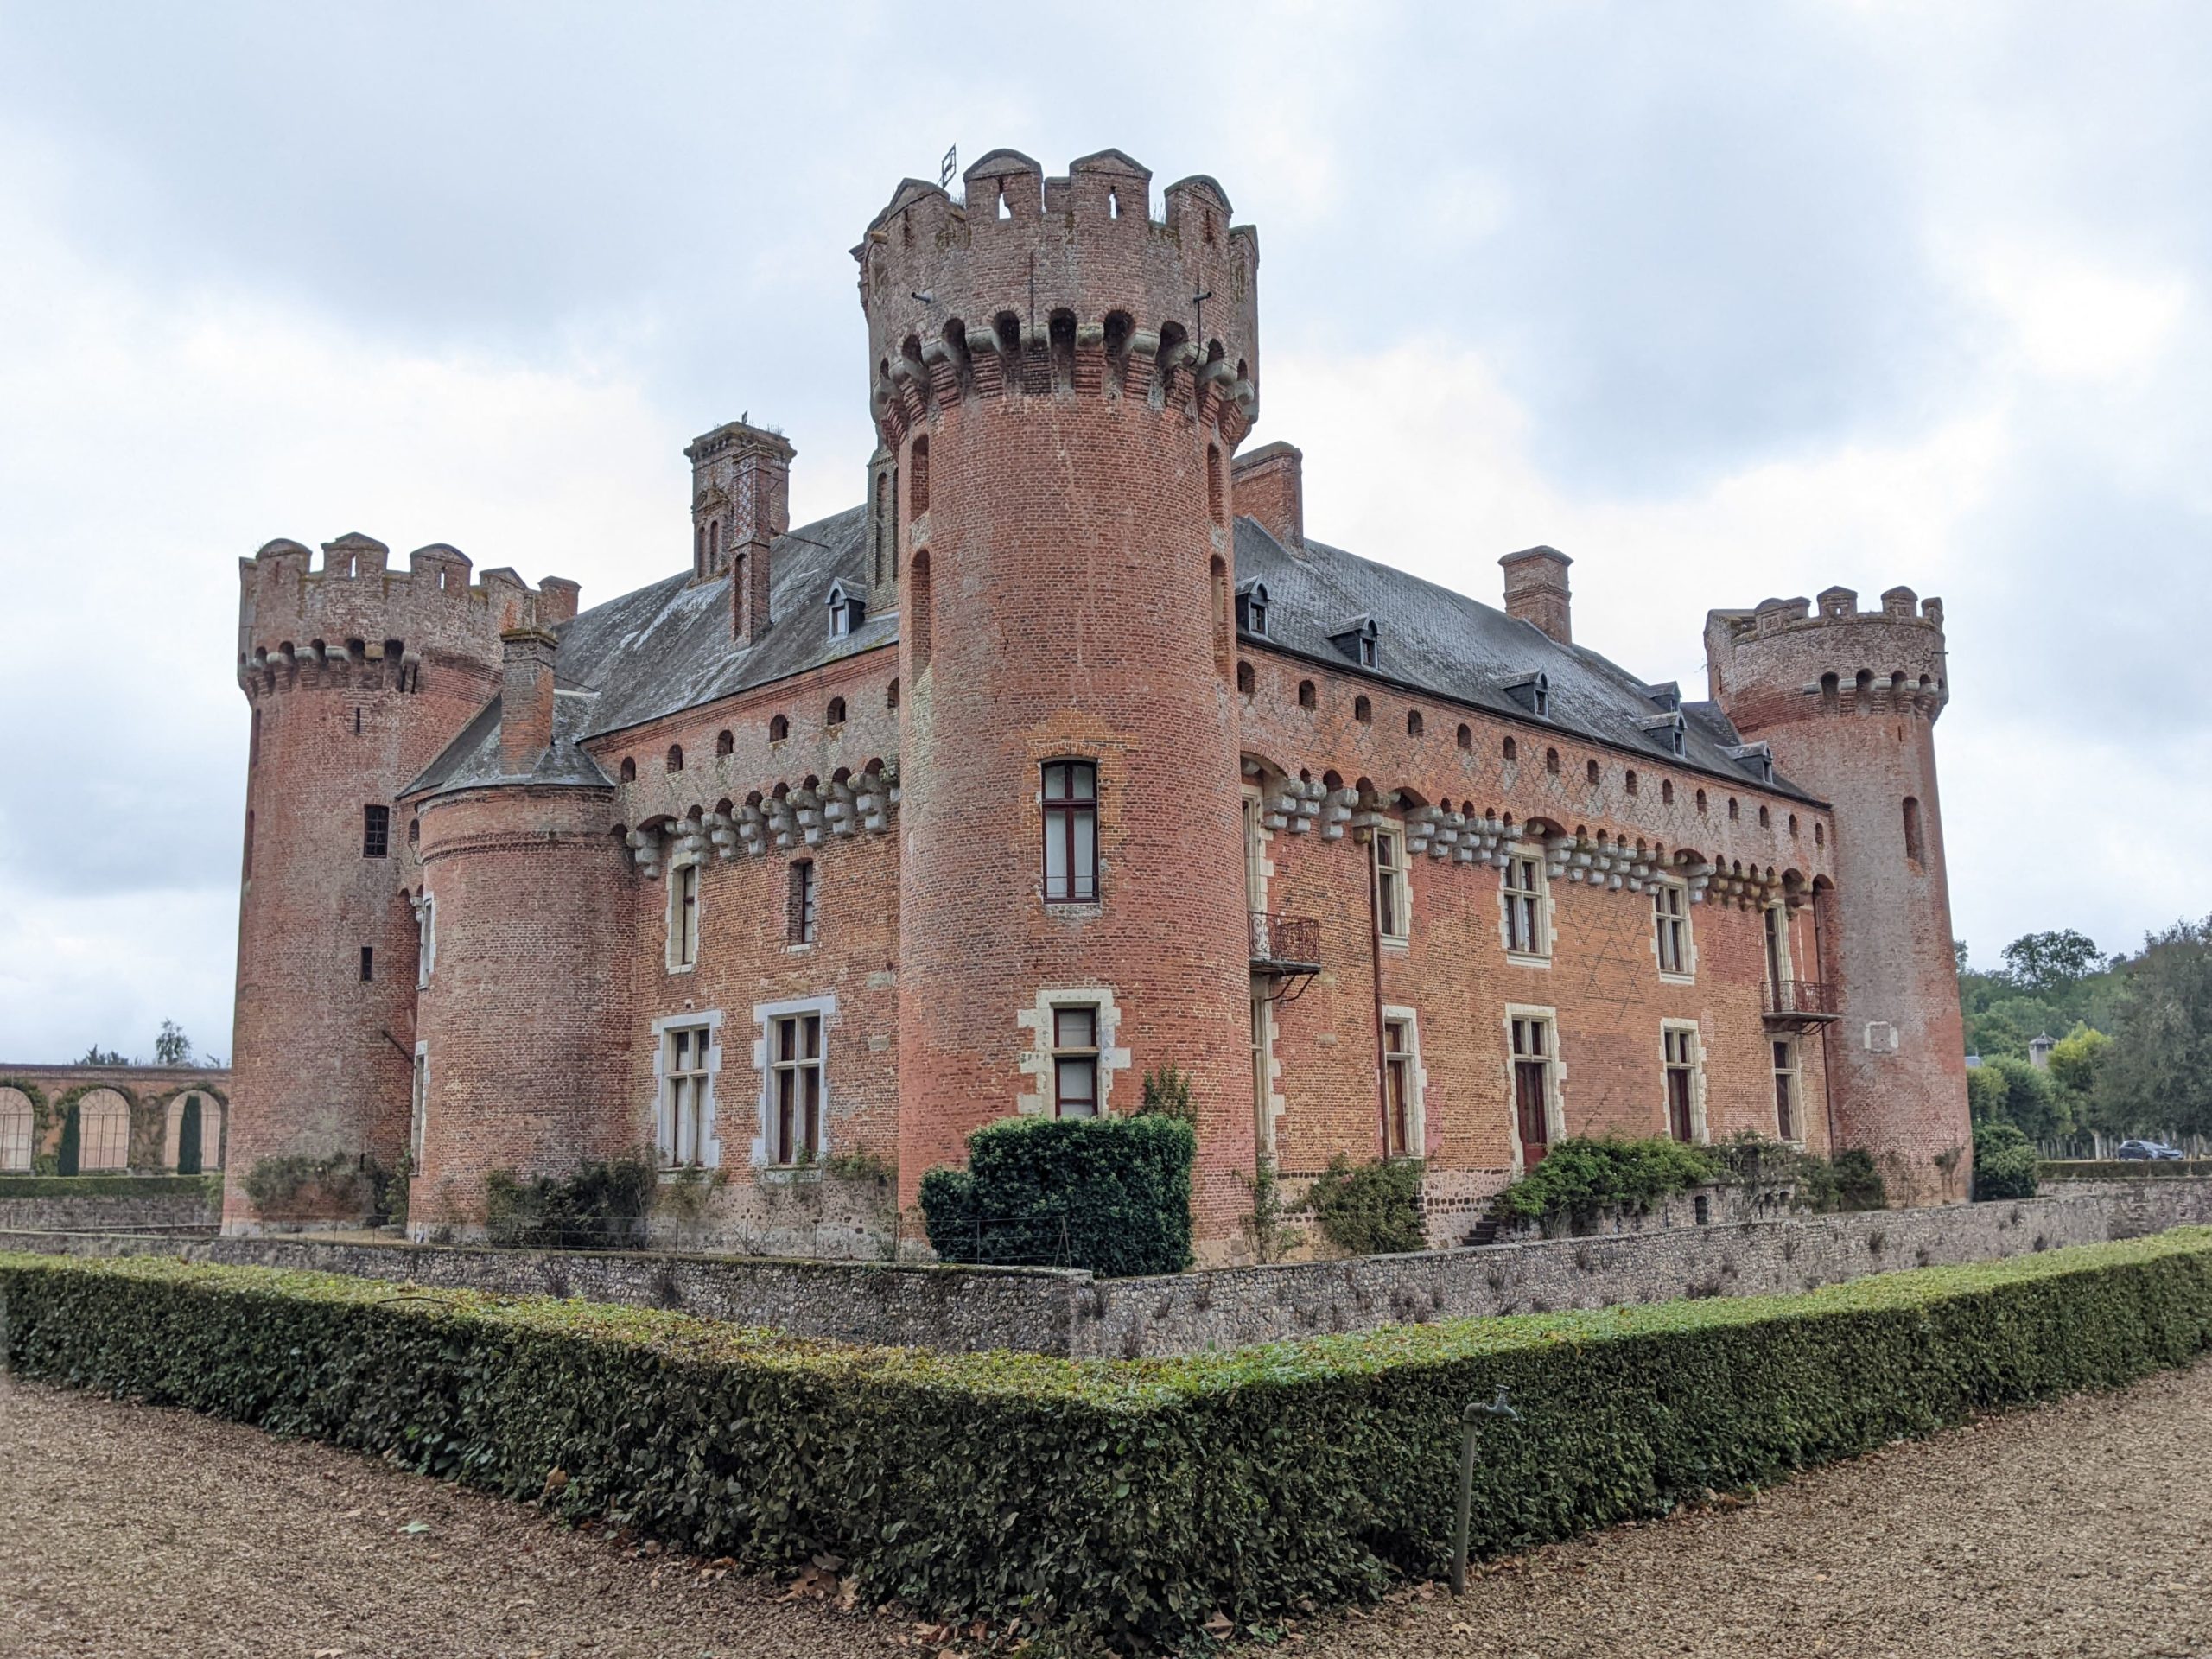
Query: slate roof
(667, 647)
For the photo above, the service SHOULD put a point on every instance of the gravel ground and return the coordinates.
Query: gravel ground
(130, 1533)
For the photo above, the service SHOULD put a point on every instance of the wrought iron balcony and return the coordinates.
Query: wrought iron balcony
(1798, 1002)
(1286, 945)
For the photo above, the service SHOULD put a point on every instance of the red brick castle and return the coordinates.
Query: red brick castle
(1066, 757)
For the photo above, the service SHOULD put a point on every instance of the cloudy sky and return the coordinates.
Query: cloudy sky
(1727, 300)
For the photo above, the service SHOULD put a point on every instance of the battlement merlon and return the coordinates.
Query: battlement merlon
(1028, 269)
(1792, 659)
(352, 610)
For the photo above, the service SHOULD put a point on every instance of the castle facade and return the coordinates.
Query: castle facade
(1066, 757)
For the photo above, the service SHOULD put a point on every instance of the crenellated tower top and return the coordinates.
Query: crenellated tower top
(1036, 285)
(1787, 660)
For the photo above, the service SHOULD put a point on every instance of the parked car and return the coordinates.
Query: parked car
(2147, 1149)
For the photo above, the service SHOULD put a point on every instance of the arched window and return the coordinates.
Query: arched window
(1628, 780)
(1820, 833)
(1306, 696)
(1551, 761)
(1592, 773)
(1701, 802)
(192, 1139)
(1766, 819)
(835, 714)
(1466, 739)
(103, 1131)
(1666, 791)
(918, 477)
(676, 757)
(1246, 681)
(891, 696)
(629, 769)
(1363, 711)
(15, 1120)
(1509, 750)
(1734, 811)
(779, 728)
(725, 744)
(1413, 722)
(1914, 849)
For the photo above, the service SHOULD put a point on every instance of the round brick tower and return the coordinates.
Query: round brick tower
(357, 677)
(1846, 700)
(1059, 382)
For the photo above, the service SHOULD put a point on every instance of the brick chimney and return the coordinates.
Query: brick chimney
(1269, 486)
(740, 502)
(525, 700)
(1535, 589)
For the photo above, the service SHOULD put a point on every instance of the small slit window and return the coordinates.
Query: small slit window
(1306, 696)
(676, 757)
(779, 728)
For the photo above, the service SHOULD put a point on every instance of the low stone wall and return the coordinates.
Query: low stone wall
(1043, 1311)
(121, 1211)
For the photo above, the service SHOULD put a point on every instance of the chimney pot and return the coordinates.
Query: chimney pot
(1535, 590)
(525, 699)
(1269, 486)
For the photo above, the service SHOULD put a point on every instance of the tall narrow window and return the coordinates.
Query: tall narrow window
(1670, 907)
(15, 1131)
(1532, 1086)
(917, 609)
(253, 747)
(1679, 1044)
(1075, 1062)
(1914, 850)
(1777, 957)
(683, 916)
(1397, 1087)
(1785, 1089)
(246, 869)
(103, 1131)
(795, 1086)
(1393, 899)
(799, 921)
(684, 1125)
(1213, 482)
(917, 485)
(1070, 832)
(418, 1107)
(375, 831)
(1526, 931)
(368, 962)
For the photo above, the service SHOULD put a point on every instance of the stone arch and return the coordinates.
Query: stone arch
(103, 1123)
(18, 1131)
(192, 1132)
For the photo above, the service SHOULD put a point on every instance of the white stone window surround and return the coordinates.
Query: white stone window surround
(1269, 1124)
(710, 1145)
(1688, 973)
(1797, 1075)
(1546, 912)
(1035, 1062)
(672, 933)
(1700, 1134)
(418, 1112)
(1417, 1075)
(426, 940)
(1554, 1081)
(765, 1015)
(1258, 866)
(1399, 876)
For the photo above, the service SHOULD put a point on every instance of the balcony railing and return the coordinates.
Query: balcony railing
(1800, 1001)
(1286, 945)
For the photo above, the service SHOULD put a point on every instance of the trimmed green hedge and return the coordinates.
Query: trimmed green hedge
(1130, 1501)
(109, 1186)
(1112, 1194)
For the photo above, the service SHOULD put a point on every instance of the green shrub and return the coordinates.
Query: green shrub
(1129, 1502)
(597, 1206)
(1370, 1209)
(2004, 1163)
(1112, 1194)
(112, 1186)
(1580, 1175)
(1167, 1093)
(1850, 1181)
(300, 1187)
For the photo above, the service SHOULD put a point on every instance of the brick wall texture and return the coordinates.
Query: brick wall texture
(1054, 502)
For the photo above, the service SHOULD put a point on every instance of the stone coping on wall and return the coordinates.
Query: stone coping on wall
(1054, 1311)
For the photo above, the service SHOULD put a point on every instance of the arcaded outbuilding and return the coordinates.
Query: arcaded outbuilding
(1066, 757)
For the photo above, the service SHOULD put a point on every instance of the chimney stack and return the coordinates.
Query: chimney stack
(1535, 590)
(525, 700)
(1269, 486)
(740, 502)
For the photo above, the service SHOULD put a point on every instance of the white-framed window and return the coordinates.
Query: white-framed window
(682, 918)
(1527, 896)
(1670, 910)
(1534, 1077)
(103, 1131)
(1789, 1109)
(15, 1131)
(687, 1059)
(1403, 1126)
(1682, 1060)
(802, 915)
(1393, 891)
(418, 1105)
(796, 1092)
(426, 941)
(1255, 852)
(1075, 1060)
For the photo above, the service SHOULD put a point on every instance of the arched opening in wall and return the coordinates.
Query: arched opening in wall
(916, 606)
(1863, 690)
(891, 696)
(103, 1131)
(16, 1123)
(882, 527)
(779, 728)
(1915, 850)
(1119, 327)
(835, 714)
(725, 744)
(1363, 711)
(1820, 833)
(1247, 682)
(714, 545)
(1897, 688)
(676, 757)
(1510, 751)
(1551, 761)
(1413, 722)
(1734, 811)
(1060, 332)
(1113, 201)
(1466, 738)
(1224, 638)
(1590, 774)
(629, 770)
(1005, 202)
(1766, 819)
(1628, 780)
(192, 1140)
(1172, 337)
(414, 832)
(1213, 482)
(1701, 802)
(1307, 697)
(1666, 791)
(1831, 691)
(1008, 327)
(1793, 823)
(918, 476)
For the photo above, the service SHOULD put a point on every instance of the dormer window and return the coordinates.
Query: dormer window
(1252, 608)
(1360, 640)
(1666, 697)
(1532, 693)
(1756, 758)
(846, 611)
(1671, 731)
